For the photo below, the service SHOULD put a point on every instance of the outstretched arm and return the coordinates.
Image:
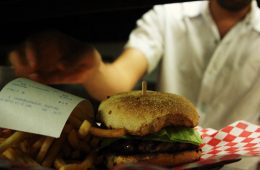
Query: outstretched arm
(119, 76)
(54, 58)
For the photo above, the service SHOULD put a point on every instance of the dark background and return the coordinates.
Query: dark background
(91, 21)
(106, 24)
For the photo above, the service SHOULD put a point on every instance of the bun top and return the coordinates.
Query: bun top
(142, 114)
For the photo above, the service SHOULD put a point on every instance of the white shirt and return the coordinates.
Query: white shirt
(220, 76)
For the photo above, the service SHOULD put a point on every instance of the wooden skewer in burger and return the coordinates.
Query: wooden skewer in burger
(158, 126)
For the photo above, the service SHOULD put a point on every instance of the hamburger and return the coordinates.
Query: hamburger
(159, 129)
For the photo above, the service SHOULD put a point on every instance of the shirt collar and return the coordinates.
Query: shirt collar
(202, 8)
(194, 9)
(254, 17)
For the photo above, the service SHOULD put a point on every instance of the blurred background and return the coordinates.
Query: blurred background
(105, 24)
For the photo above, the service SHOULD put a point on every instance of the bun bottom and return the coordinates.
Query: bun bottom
(163, 159)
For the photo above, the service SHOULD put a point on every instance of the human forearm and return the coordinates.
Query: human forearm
(119, 76)
(63, 60)
(105, 82)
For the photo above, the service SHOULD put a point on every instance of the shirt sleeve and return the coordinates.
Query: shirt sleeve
(148, 36)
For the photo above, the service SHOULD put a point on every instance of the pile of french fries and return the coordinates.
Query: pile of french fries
(75, 149)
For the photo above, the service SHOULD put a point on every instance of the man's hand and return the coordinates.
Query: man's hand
(55, 58)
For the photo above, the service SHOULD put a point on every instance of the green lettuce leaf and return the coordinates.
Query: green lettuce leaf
(184, 135)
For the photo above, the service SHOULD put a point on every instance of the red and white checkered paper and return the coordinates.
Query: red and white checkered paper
(233, 142)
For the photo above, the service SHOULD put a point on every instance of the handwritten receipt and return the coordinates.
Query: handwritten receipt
(32, 107)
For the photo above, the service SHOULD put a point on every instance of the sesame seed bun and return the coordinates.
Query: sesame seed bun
(144, 114)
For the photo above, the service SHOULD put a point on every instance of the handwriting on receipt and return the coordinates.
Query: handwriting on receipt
(31, 104)
(25, 104)
(18, 92)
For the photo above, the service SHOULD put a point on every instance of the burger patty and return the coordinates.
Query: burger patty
(128, 147)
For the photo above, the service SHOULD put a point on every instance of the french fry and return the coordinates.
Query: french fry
(13, 139)
(2, 140)
(78, 138)
(58, 163)
(74, 166)
(36, 146)
(44, 149)
(54, 151)
(73, 139)
(86, 164)
(75, 122)
(84, 128)
(17, 156)
(107, 133)
(10, 154)
(25, 146)
(26, 159)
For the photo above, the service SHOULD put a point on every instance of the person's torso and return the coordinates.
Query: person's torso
(219, 76)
